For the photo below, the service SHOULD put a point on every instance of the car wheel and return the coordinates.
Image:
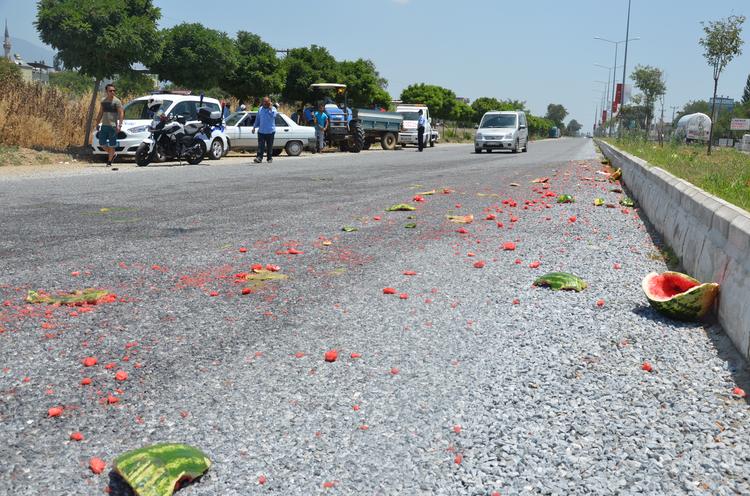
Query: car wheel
(293, 148)
(217, 149)
(526, 146)
(515, 147)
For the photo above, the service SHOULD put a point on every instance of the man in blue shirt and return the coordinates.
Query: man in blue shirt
(265, 124)
(321, 126)
(420, 129)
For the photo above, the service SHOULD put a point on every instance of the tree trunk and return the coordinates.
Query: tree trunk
(713, 117)
(90, 116)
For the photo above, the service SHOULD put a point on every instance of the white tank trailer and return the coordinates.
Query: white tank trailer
(694, 127)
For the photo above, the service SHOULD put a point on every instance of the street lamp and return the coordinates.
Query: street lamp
(617, 45)
(610, 101)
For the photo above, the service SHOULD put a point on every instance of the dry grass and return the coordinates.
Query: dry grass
(41, 117)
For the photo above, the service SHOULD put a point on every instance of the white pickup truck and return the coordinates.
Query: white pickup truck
(408, 133)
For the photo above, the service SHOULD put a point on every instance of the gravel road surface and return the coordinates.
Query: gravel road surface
(467, 380)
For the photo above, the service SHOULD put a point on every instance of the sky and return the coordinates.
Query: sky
(541, 52)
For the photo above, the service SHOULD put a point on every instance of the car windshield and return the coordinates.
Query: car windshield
(499, 120)
(410, 116)
(233, 119)
(138, 109)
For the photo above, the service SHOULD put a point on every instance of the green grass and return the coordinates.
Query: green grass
(726, 173)
(8, 155)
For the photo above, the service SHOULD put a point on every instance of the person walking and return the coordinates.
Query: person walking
(265, 124)
(110, 116)
(421, 122)
(321, 126)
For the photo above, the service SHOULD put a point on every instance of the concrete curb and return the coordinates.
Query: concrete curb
(711, 236)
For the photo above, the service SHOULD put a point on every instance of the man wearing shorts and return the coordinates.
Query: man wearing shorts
(111, 115)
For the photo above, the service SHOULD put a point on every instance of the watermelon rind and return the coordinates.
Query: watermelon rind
(561, 280)
(156, 470)
(689, 305)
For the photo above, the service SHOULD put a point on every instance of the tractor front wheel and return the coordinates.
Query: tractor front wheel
(358, 136)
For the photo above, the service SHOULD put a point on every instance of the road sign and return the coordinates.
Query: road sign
(740, 125)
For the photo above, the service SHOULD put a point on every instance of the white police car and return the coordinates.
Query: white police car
(138, 117)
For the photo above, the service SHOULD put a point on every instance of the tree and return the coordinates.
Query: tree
(365, 87)
(650, 81)
(134, 84)
(99, 38)
(746, 92)
(258, 72)
(693, 107)
(73, 82)
(462, 113)
(573, 127)
(441, 101)
(9, 72)
(556, 113)
(721, 43)
(195, 56)
(305, 66)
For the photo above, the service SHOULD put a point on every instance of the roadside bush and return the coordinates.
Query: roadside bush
(59, 128)
(9, 72)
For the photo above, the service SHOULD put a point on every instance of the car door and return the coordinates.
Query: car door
(248, 139)
(282, 132)
(525, 130)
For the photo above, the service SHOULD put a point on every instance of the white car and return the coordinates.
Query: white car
(502, 130)
(138, 117)
(289, 136)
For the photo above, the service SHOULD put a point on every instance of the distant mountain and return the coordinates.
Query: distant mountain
(31, 52)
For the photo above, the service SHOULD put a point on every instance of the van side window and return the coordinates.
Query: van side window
(523, 118)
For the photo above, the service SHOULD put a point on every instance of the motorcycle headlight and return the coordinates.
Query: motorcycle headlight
(138, 130)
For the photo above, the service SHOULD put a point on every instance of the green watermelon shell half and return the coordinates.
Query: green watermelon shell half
(679, 296)
(161, 469)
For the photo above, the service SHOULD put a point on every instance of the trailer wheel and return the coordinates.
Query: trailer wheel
(388, 141)
(358, 136)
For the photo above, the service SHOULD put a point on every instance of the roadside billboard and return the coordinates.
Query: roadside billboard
(740, 125)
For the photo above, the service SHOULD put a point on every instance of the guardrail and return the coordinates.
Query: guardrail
(711, 236)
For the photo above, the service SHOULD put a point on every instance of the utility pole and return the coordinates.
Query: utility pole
(661, 122)
(625, 61)
(673, 107)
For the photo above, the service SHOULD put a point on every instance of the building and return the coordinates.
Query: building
(35, 71)
(463, 99)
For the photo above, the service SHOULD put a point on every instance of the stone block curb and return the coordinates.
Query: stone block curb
(711, 236)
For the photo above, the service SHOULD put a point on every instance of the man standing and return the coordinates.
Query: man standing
(321, 126)
(265, 123)
(111, 115)
(420, 129)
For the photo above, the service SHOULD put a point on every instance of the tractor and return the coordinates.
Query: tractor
(344, 129)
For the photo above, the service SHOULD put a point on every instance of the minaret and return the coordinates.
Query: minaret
(6, 43)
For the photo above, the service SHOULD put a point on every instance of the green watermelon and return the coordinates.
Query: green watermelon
(679, 296)
(561, 280)
(565, 199)
(159, 470)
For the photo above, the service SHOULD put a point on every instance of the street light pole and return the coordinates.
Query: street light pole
(614, 67)
(625, 60)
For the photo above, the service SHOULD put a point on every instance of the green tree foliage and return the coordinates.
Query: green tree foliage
(650, 80)
(305, 66)
(195, 56)
(746, 92)
(539, 126)
(722, 42)
(441, 101)
(71, 81)
(134, 84)
(258, 72)
(556, 113)
(486, 104)
(365, 87)
(694, 106)
(463, 114)
(99, 38)
(573, 127)
(9, 72)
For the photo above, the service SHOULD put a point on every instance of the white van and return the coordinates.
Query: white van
(408, 133)
(502, 130)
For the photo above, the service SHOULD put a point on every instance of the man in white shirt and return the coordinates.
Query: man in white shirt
(420, 129)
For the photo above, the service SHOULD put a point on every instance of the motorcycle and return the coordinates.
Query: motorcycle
(172, 138)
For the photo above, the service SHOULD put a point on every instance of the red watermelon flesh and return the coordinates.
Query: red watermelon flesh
(669, 284)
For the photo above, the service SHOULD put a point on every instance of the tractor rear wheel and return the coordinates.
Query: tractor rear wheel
(358, 136)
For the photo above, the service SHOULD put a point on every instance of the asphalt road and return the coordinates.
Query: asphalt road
(469, 382)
